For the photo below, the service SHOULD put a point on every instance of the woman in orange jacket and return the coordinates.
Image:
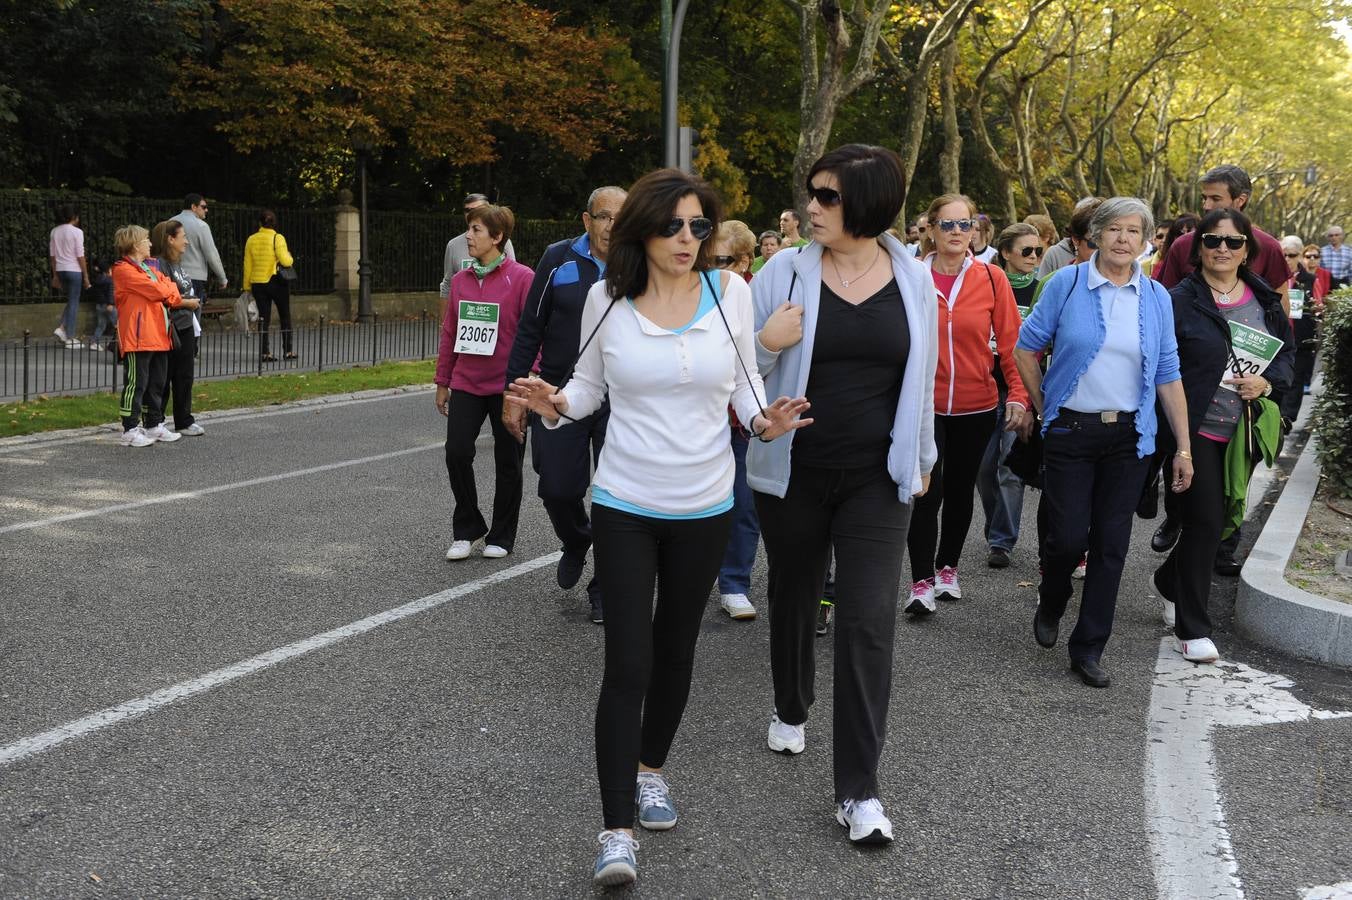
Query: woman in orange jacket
(976, 306)
(142, 295)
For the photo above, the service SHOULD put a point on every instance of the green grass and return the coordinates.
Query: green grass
(51, 413)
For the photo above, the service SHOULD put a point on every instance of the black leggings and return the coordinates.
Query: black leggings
(650, 656)
(961, 442)
(1185, 576)
(277, 291)
(182, 360)
(465, 414)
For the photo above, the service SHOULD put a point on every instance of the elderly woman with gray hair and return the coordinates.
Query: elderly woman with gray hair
(1115, 350)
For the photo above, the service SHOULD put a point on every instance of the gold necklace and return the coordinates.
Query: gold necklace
(867, 269)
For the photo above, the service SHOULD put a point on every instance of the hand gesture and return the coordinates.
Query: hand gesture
(1019, 420)
(783, 329)
(1182, 474)
(1250, 387)
(514, 419)
(780, 417)
(538, 396)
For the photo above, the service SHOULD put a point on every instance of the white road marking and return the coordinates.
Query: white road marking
(1192, 855)
(214, 489)
(1341, 891)
(40, 743)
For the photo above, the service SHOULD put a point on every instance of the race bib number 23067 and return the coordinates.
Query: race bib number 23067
(476, 330)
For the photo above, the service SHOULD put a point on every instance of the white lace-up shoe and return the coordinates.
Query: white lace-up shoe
(459, 550)
(136, 437)
(786, 738)
(866, 820)
(1199, 650)
(946, 584)
(921, 602)
(737, 606)
(162, 434)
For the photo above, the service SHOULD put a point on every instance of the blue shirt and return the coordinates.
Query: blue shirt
(1070, 314)
(582, 247)
(1111, 381)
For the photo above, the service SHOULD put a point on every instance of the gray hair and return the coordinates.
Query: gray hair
(1115, 208)
(607, 189)
(1235, 179)
(1293, 242)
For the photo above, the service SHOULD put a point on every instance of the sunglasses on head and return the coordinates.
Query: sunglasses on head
(1030, 251)
(700, 227)
(963, 225)
(724, 261)
(1232, 241)
(825, 196)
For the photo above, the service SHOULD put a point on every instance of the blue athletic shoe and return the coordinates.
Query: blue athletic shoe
(615, 865)
(655, 811)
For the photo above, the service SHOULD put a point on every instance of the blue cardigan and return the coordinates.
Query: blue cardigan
(1070, 315)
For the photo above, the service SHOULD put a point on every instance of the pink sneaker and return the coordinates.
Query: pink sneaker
(946, 584)
(922, 598)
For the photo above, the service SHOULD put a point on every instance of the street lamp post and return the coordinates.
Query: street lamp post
(364, 311)
(671, 47)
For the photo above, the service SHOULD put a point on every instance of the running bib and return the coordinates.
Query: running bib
(1251, 352)
(476, 330)
(1297, 303)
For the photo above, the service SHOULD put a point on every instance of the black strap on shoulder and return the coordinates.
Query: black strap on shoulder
(745, 373)
(573, 365)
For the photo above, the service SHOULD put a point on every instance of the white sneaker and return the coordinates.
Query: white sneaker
(786, 738)
(162, 434)
(136, 437)
(922, 599)
(73, 344)
(946, 584)
(60, 333)
(193, 430)
(459, 550)
(1198, 650)
(737, 606)
(1081, 568)
(95, 345)
(493, 551)
(866, 820)
(1167, 612)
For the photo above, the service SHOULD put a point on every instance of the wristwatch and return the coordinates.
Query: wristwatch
(1267, 390)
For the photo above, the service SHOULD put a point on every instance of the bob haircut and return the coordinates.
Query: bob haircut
(1308, 248)
(127, 237)
(739, 237)
(1114, 208)
(1214, 218)
(497, 219)
(1005, 242)
(159, 238)
(872, 185)
(647, 210)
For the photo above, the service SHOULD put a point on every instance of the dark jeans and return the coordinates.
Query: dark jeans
(72, 285)
(857, 513)
(1185, 577)
(1000, 489)
(182, 361)
(650, 654)
(1092, 479)
(735, 576)
(275, 291)
(145, 373)
(961, 441)
(465, 415)
(563, 458)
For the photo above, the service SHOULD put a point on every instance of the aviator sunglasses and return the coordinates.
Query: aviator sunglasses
(1030, 251)
(1232, 241)
(963, 225)
(700, 227)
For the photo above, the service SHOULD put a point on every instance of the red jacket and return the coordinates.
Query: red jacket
(483, 376)
(984, 305)
(142, 295)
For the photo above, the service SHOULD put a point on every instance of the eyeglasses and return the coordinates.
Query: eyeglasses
(1311, 255)
(604, 218)
(1292, 255)
(1232, 241)
(963, 225)
(825, 196)
(1030, 251)
(724, 261)
(700, 227)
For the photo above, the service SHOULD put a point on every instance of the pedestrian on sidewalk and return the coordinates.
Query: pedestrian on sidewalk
(105, 310)
(457, 256)
(168, 244)
(862, 343)
(142, 295)
(70, 272)
(265, 254)
(547, 338)
(482, 311)
(201, 258)
(1113, 328)
(671, 342)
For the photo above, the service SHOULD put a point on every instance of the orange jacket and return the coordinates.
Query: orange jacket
(141, 296)
(963, 382)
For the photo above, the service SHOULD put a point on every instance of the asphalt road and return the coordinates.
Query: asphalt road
(447, 751)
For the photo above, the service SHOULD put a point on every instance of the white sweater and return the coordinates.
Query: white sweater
(668, 445)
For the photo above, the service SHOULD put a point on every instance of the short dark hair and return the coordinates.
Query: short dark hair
(497, 219)
(793, 212)
(66, 213)
(1181, 223)
(872, 186)
(267, 218)
(647, 210)
(1214, 218)
(191, 200)
(1083, 215)
(1235, 179)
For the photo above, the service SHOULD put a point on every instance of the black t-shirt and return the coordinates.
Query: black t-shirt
(858, 358)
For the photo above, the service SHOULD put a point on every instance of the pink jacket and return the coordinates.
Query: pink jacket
(483, 376)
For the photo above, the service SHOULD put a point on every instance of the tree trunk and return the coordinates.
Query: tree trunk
(949, 177)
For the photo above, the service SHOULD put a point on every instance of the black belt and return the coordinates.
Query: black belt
(1108, 417)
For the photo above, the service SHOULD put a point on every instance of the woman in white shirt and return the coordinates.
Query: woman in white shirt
(672, 344)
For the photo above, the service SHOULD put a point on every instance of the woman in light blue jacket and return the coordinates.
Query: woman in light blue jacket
(849, 321)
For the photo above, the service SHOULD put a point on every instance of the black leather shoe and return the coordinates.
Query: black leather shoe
(570, 569)
(1164, 538)
(1226, 564)
(998, 558)
(1044, 629)
(1090, 672)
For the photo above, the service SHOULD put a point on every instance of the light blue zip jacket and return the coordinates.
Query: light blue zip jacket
(912, 453)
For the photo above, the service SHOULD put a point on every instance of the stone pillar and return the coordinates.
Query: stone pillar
(347, 247)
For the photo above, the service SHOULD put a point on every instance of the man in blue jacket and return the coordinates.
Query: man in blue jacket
(551, 328)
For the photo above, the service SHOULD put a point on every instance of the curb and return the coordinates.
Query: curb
(1275, 613)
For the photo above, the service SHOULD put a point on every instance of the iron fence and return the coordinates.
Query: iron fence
(34, 367)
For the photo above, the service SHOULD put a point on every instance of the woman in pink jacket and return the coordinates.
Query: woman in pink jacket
(483, 307)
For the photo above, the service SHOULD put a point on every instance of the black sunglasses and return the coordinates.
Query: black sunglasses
(963, 225)
(825, 196)
(724, 261)
(1233, 241)
(700, 227)
(1030, 251)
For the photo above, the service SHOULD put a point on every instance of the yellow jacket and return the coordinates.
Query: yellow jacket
(260, 258)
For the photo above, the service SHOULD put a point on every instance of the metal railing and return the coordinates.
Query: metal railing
(45, 367)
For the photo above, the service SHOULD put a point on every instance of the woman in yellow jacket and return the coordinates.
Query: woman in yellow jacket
(264, 252)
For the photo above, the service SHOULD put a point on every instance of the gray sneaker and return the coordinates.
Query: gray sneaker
(193, 430)
(615, 864)
(655, 811)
